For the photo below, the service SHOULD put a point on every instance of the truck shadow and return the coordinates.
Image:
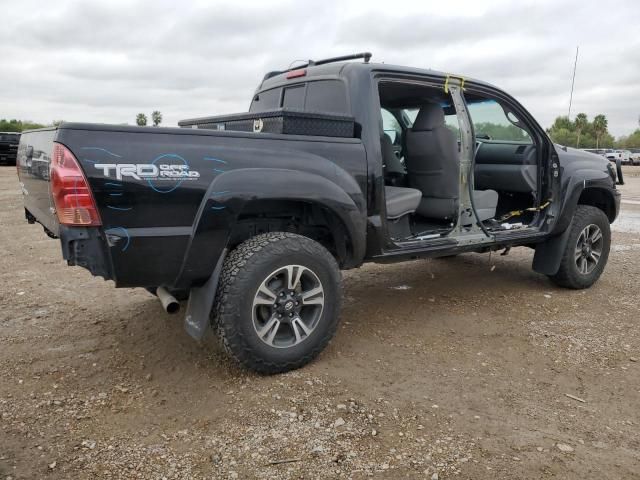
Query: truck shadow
(373, 294)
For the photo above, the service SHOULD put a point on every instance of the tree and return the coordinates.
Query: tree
(630, 141)
(14, 125)
(141, 120)
(562, 122)
(156, 118)
(563, 131)
(563, 136)
(582, 133)
(607, 141)
(581, 122)
(600, 125)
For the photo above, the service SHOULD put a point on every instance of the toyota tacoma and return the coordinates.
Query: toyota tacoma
(338, 162)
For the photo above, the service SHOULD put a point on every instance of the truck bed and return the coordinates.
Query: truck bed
(167, 196)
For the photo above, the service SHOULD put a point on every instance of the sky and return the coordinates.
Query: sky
(105, 61)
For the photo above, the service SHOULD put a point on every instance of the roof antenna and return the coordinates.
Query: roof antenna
(573, 81)
(291, 64)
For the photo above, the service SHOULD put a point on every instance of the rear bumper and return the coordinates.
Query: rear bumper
(86, 247)
(130, 257)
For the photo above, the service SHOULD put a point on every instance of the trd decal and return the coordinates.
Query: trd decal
(147, 171)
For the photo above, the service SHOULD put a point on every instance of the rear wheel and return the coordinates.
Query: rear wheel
(278, 302)
(587, 249)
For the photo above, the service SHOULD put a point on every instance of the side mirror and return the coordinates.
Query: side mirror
(619, 172)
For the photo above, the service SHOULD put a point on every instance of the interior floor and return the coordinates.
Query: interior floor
(421, 227)
(513, 201)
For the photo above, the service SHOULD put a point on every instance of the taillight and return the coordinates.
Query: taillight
(71, 194)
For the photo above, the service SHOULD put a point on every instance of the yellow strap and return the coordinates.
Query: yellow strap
(446, 82)
(540, 208)
(511, 214)
(517, 213)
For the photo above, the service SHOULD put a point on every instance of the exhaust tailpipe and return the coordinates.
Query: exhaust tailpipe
(169, 302)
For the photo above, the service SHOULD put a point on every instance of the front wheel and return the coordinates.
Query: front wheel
(278, 302)
(587, 249)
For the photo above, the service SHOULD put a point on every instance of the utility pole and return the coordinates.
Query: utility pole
(573, 81)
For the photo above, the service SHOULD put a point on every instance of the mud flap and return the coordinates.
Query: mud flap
(196, 321)
(549, 253)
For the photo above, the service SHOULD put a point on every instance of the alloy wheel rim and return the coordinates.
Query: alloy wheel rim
(287, 306)
(589, 249)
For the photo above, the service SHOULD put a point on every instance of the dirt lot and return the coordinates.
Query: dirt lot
(441, 369)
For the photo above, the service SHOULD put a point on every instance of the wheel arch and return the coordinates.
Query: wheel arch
(239, 197)
(601, 198)
(588, 188)
(310, 218)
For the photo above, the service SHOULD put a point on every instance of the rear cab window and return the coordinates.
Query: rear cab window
(267, 100)
(325, 96)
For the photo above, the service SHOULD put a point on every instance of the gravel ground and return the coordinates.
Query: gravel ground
(468, 367)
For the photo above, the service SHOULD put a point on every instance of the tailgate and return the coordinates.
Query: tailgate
(34, 157)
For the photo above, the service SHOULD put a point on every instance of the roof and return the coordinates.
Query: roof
(340, 68)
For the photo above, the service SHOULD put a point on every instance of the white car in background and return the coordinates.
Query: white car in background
(623, 155)
(626, 157)
(612, 155)
(635, 156)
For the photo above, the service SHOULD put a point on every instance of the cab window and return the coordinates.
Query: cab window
(265, 101)
(325, 96)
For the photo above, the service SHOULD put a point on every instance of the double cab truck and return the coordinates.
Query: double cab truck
(338, 162)
(8, 147)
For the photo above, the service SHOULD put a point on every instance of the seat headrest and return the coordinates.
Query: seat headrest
(430, 116)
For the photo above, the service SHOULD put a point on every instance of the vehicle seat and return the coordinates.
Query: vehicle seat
(432, 163)
(486, 202)
(433, 167)
(401, 201)
(394, 171)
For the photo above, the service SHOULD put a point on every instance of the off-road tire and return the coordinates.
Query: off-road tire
(243, 271)
(568, 275)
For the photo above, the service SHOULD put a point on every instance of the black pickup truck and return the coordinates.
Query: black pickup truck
(8, 147)
(338, 162)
